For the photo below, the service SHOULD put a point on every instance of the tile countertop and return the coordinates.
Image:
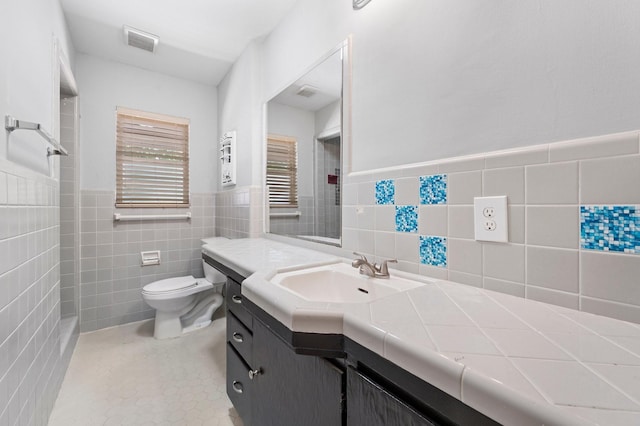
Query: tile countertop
(518, 361)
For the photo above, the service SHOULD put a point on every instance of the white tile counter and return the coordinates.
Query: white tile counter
(518, 361)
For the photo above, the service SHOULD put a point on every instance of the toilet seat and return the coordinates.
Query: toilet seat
(175, 287)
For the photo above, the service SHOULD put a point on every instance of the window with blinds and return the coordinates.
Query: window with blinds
(152, 160)
(282, 171)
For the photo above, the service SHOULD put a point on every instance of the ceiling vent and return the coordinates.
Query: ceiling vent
(307, 91)
(140, 39)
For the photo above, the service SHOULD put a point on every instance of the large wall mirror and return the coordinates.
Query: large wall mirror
(304, 153)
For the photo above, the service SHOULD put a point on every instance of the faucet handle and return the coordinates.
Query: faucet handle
(362, 256)
(383, 269)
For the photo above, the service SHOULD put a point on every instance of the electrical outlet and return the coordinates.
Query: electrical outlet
(490, 218)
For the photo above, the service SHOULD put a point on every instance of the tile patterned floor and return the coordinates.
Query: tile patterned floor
(123, 376)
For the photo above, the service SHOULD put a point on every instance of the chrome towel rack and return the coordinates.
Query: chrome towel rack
(11, 124)
(118, 216)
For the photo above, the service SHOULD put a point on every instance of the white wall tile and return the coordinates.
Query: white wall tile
(407, 191)
(552, 183)
(516, 224)
(464, 256)
(463, 187)
(385, 218)
(553, 268)
(462, 164)
(407, 247)
(385, 245)
(507, 287)
(610, 181)
(366, 217)
(460, 222)
(621, 311)
(599, 146)
(508, 181)
(434, 272)
(504, 261)
(555, 226)
(568, 300)
(611, 277)
(518, 157)
(464, 278)
(367, 193)
(432, 220)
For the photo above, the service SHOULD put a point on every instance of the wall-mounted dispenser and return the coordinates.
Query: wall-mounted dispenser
(228, 158)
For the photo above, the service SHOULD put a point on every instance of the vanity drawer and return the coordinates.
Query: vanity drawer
(239, 386)
(234, 304)
(240, 337)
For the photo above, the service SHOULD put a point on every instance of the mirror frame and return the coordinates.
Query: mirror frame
(345, 47)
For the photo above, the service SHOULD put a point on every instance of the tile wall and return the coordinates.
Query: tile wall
(574, 221)
(69, 212)
(294, 225)
(31, 363)
(111, 273)
(239, 213)
(328, 215)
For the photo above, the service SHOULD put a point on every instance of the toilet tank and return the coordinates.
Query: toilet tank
(212, 275)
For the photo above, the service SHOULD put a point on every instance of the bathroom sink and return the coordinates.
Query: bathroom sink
(340, 283)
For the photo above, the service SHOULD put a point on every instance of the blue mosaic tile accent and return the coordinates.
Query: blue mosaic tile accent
(433, 189)
(385, 191)
(433, 251)
(407, 218)
(610, 228)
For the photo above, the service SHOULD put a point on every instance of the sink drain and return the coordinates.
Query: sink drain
(363, 290)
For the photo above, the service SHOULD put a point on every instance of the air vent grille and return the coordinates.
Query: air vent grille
(307, 91)
(140, 39)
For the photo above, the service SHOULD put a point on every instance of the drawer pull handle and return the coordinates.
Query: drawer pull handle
(254, 373)
(237, 337)
(237, 386)
(236, 299)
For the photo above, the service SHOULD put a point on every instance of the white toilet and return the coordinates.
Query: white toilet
(184, 304)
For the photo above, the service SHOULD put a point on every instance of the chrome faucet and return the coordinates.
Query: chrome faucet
(372, 269)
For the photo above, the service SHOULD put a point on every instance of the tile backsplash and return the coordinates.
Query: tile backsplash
(574, 221)
(112, 277)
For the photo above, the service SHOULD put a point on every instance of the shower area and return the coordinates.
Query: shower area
(328, 198)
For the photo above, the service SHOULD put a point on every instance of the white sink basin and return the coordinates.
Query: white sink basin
(340, 283)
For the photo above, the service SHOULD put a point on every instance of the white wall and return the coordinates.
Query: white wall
(240, 108)
(28, 70)
(105, 85)
(328, 119)
(448, 79)
(300, 124)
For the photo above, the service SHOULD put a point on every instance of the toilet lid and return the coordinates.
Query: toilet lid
(171, 284)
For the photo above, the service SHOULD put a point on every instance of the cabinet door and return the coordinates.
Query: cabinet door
(368, 404)
(239, 387)
(292, 389)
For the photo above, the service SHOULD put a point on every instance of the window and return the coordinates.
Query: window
(282, 171)
(152, 160)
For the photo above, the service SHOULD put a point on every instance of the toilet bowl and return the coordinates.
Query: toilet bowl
(184, 304)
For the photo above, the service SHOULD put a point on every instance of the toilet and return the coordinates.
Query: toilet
(184, 304)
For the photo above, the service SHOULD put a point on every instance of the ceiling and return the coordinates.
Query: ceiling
(199, 39)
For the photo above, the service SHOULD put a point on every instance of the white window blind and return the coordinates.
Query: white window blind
(282, 171)
(152, 160)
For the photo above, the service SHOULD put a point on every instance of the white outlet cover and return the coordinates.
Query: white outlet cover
(500, 217)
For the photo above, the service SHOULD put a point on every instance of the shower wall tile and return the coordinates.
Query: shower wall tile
(31, 363)
(111, 275)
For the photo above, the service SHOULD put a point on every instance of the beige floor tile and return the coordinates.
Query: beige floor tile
(123, 376)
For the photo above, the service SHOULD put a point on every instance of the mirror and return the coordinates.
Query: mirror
(304, 154)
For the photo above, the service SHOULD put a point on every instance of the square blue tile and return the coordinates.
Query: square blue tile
(433, 251)
(433, 189)
(610, 228)
(385, 192)
(407, 218)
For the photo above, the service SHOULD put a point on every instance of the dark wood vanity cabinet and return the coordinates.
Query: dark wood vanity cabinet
(370, 404)
(268, 383)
